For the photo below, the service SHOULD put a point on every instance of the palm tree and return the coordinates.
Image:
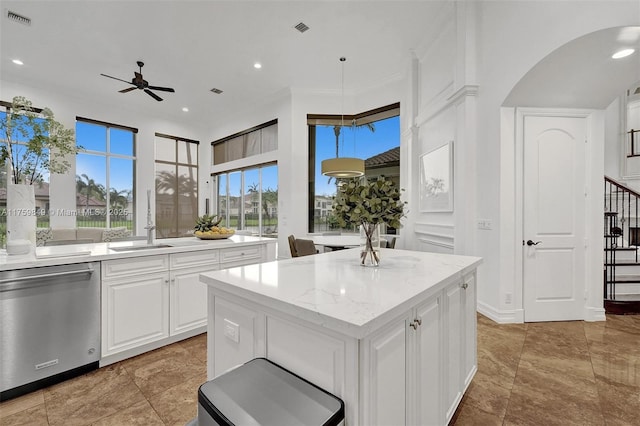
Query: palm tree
(90, 188)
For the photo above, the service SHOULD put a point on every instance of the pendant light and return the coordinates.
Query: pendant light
(345, 167)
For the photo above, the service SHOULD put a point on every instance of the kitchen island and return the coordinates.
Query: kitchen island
(397, 343)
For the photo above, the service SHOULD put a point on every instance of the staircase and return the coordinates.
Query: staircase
(621, 242)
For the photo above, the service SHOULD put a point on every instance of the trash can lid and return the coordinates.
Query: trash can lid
(261, 392)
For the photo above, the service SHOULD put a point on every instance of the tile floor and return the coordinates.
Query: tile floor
(558, 373)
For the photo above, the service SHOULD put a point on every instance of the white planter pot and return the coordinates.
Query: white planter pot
(21, 216)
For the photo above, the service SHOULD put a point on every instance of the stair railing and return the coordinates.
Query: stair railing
(621, 228)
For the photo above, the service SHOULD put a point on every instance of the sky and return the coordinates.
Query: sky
(360, 143)
(93, 137)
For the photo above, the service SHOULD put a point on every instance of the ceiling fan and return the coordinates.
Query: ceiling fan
(139, 83)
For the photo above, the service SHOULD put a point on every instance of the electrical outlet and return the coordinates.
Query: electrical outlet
(484, 224)
(232, 330)
(507, 298)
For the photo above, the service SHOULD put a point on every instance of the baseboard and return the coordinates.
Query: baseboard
(514, 316)
(594, 314)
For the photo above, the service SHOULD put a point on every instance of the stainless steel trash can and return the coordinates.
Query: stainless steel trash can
(261, 392)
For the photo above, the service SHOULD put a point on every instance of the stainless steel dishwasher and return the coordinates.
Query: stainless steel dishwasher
(50, 325)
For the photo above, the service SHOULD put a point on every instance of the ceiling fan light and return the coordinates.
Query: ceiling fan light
(344, 167)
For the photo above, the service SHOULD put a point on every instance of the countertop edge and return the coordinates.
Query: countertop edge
(31, 261)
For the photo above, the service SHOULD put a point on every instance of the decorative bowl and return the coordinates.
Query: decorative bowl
(213, 237)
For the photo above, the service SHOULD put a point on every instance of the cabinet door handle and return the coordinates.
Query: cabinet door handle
(418, 320)
(464, 285)
(413, 324)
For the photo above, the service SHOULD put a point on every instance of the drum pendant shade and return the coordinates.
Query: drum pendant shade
(343, 167)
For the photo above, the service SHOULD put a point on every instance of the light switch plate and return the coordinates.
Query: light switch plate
(232, 330)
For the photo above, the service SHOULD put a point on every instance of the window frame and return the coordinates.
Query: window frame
(313, 120)
(178, 164)
(107, 154)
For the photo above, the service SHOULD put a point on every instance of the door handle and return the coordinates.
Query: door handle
(531, 243)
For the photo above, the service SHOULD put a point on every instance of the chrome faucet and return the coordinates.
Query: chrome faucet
(150, 226)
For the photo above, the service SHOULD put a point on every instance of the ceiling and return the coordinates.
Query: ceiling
(194, 46)
(581, 73)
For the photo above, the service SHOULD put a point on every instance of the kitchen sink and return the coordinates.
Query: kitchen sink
(134, 248)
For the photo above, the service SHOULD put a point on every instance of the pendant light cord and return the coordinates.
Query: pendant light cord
(342, 59)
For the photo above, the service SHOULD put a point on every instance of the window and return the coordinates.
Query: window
(373, 136)
(248, 199)
(105, 181)
(254, 141)
(176, 186)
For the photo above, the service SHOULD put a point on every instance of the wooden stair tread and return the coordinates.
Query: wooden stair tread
(623, 304)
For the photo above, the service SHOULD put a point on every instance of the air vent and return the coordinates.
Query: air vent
(302, 27)
(216, 91)
(18, 18)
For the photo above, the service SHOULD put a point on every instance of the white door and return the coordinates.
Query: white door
(554, 217)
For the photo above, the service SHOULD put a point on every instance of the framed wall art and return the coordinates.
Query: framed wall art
(436, 179)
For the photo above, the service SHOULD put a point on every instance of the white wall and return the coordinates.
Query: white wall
(614, 149)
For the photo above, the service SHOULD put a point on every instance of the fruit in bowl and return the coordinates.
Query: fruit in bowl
(207, 227)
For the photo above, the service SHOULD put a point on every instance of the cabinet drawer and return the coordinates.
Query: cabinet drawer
(195, 258)
(241, 255)
(134, 266)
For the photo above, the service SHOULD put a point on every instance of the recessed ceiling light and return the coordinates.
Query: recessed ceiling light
(622, 53)
(185, 109)
(18, 62)
(257, 65)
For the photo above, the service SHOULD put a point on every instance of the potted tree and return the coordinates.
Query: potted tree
(32, 143)
(369, 204)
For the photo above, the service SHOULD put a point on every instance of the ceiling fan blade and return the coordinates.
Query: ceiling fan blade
(116, 78)
(127, 90)
(162, 89)
(153, 95)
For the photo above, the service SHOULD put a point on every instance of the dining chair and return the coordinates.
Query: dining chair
(292, 246)
(305, 247)
(300, 247)
(392, 243)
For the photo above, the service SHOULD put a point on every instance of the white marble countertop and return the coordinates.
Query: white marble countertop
(78, 253)
(334, 291)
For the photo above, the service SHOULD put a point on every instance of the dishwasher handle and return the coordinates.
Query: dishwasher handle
(6, 284)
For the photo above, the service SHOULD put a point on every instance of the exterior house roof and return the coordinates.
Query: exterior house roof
(388, 158)
(41, 191)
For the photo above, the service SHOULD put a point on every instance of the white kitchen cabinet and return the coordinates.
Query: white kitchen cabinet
(151, 301)
(384, 382)
(461, 345)
(425, 370)
(188, 296)
(245, 255)
(135, 310)
(403, 363)
(153, 298)
(470, 331)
